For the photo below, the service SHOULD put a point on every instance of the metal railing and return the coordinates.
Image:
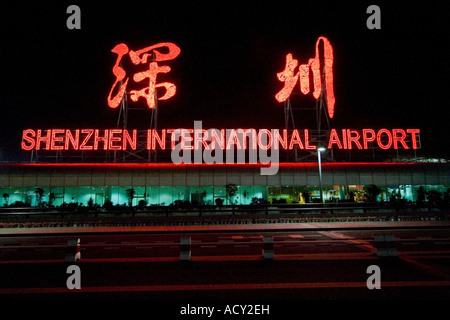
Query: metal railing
(227, 210)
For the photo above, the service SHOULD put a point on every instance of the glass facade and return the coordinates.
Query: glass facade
(203, 195)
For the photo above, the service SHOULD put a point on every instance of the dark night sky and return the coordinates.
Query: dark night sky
(53, 77)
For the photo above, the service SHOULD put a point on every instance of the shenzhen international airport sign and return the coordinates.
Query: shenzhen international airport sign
(199, 145)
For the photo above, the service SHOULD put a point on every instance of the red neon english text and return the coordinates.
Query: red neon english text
(240, 139)
(384, 139)
(79, 139)
(213, 139)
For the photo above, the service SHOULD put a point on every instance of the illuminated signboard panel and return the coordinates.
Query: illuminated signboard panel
(290, 78)
(142, 57)
(318, 71)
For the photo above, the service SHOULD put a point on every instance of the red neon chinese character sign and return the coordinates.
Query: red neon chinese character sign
(141, 57)
(290, 78)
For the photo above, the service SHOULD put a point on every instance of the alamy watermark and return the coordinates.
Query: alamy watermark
(74, 20)
(74, 280)
(374, 280)
(214, 146)
(374, 20)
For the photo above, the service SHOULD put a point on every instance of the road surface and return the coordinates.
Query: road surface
(318, 261)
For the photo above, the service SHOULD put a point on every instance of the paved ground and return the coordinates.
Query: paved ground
(225, 227)
(312, 261)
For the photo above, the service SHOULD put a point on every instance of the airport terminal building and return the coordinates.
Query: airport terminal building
(208, 179)
(165, 183)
